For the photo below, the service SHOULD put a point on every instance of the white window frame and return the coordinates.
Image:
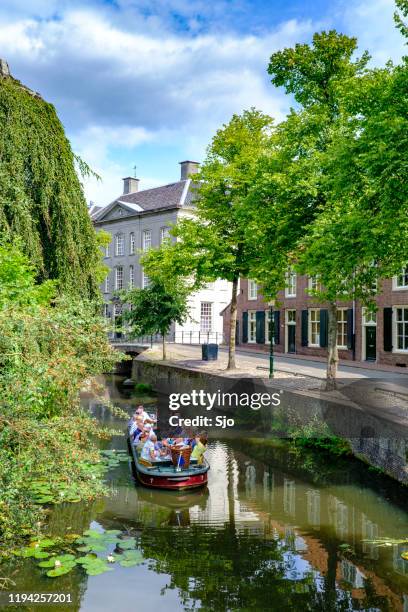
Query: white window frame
(206, 318)
(146, 239)
(107, 250)
(396, 280)
(131, 277)
(252, 329)
(132, 243)
(291, 280)
(313, 283)
(369, 317)
(106, 284)
(252, 290)
(145, 280)
(164, 233)
(314, 327)
(118, 278)
(119, 245)
(106, 311)
(395, 309)
(343, 326)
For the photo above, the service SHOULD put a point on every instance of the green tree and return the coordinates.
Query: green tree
(290, 190)
(214, 244)
(41, 198)
(154, 308)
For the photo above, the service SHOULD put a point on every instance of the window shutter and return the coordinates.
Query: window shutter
(237, 333)
(387, 329)
(260, 327)
(305, 327)
(350, 335)
(324, 327)
(276, 321)
(244, 327)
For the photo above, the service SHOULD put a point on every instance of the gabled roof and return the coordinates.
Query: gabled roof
(174, 195)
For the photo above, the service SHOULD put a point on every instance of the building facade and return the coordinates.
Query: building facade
(300, 323)
(140, 220)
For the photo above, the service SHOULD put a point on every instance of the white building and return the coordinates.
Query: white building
(140, 220)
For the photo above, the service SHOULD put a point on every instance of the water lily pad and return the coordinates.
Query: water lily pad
(60, 571)
(126, 544)
(404, 555)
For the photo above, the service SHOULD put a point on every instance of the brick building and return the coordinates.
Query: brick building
(300, 323)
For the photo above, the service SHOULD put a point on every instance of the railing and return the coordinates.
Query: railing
(180, 337)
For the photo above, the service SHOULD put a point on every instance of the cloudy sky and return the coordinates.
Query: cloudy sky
(146, 83)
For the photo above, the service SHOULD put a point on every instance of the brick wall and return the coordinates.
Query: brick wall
(387, 298)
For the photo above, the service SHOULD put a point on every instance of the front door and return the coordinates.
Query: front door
(291, 338)
(371, 343)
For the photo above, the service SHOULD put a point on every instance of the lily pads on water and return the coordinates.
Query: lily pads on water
(93, 565)
(59, 565)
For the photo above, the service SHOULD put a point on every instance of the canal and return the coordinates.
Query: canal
(274, 530)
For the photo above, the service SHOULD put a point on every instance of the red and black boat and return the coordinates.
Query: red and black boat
(165, 475)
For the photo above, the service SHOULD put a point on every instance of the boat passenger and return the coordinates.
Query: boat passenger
(140, 411)
(140, 442)
(133, 423)
(199, 449)
(148, 451)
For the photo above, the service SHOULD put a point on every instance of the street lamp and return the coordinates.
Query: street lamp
(271, 304)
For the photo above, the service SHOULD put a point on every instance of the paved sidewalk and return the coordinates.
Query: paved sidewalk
(257, 364)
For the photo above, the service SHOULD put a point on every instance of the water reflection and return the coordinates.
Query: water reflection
(272, 530)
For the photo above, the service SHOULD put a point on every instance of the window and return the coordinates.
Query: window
(252, 290)
(206, 317)
(132, 243)
(313, 283)
(117, 310)
(342, 328)
(106, 286)
(252, 326)
(106, 311)
(146, 240)
(107, 250)
(314, 327)
(145, 280)
(267, 327)
(290, 290)
(401, 328)
(119, 244)
(131, 277)
(369, 317)
(401, 281)
(119, 278)
(164, 234)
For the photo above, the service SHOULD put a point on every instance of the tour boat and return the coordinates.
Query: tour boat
(164, 475)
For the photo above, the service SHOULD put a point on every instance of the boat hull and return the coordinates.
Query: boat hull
(174, 484)
(169, 479)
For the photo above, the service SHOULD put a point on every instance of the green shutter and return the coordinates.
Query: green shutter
(305, 327)
(350, 335)
(276, 319)
(324, 327)
(244, 327)
(260, 327)
(387, 326)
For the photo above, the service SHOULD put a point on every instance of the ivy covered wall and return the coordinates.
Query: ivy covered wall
(41, 198)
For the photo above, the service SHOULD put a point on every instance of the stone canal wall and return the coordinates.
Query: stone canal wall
(376, 435)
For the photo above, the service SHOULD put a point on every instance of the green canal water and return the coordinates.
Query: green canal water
(274, 530)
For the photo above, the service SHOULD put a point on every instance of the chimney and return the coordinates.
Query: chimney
(130, 185)
(188, 167)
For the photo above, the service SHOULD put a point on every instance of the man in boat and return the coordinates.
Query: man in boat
(149, 452)
(199, 448)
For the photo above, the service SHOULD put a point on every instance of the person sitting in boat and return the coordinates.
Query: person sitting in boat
(200, 448)
(149, 453)
(133, 424)
(139, 444)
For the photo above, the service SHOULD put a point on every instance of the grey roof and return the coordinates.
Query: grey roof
(174, 195)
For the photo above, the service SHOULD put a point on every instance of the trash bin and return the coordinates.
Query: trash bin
(209, 352)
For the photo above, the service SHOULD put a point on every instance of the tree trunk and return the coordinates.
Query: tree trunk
(164, 347)
(332, 352)
(233, 326)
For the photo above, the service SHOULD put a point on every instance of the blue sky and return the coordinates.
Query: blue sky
(147, 83)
